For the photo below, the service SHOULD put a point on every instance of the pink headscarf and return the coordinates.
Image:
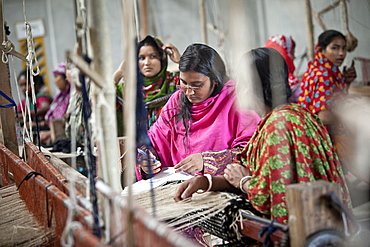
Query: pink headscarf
(217, 124)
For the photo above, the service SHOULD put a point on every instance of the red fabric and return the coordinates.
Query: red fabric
(322, 83)
(40, 98)
(284, 45)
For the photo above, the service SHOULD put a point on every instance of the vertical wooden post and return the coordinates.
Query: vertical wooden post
(144, 31)
(102, 62)
(308, 212)
(310, 32)
(130, 115)
(203, 20)
(7, 115)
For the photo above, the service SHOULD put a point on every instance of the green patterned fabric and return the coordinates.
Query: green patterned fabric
(291, 145)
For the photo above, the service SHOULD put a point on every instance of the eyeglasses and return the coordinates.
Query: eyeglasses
(185, 87)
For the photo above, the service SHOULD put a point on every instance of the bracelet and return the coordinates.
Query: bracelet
(242, 181)
(209, 178)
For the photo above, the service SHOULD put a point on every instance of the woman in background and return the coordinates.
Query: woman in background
(43, 100)
(323, 85)
(59, 105)
(159, 83)
(285, 45)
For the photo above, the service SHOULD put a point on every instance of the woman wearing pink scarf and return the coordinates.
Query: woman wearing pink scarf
(59, 105)
(201, 128)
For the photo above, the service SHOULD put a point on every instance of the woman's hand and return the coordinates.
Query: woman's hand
(189, 187)
(191, 164)
(119, 73)
(234, 173)
(172, 52)
(155, 164)
(350, 73)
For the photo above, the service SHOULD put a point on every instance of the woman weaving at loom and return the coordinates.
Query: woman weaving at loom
(291, 145)
(199, 117)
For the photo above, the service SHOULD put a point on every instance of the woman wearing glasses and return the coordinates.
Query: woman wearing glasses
(201, 128)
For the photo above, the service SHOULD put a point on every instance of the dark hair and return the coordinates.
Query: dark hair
(156, 44)
(205, 60)
(273, 73)
(37, 79)
(328, 36)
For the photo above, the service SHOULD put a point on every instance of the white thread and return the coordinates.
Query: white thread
(7, 45)
(81, 11)
(67, 239)
(7, 48)
(235, 226)
(19, 98)
(121, 157)
(31, 56)
(28, 107)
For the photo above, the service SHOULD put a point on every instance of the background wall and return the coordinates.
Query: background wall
(244, 24)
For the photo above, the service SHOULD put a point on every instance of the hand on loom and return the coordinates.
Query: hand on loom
(191, 164)
(155, 165)
(189, 187)
(234, 173)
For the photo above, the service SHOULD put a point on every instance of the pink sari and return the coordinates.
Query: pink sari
(217, 124)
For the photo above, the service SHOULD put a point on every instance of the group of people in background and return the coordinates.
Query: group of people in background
(252, 135)
(234, 149)
(46, 109)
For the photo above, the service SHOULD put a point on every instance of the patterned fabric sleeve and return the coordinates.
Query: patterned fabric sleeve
(321, 85)
(215, 162)
(323, 92)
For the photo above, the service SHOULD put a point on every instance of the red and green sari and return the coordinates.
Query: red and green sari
(291, 145)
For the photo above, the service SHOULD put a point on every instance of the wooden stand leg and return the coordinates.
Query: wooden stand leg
(309, 213)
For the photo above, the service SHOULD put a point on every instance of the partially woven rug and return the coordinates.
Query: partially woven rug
(218, 213)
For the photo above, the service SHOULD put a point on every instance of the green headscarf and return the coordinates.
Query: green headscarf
(160, 87)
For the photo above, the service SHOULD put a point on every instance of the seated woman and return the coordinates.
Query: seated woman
(291, 145)
(323, 84)
(43, 100)
(202, 116)
(159, 83)
(60, 103)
